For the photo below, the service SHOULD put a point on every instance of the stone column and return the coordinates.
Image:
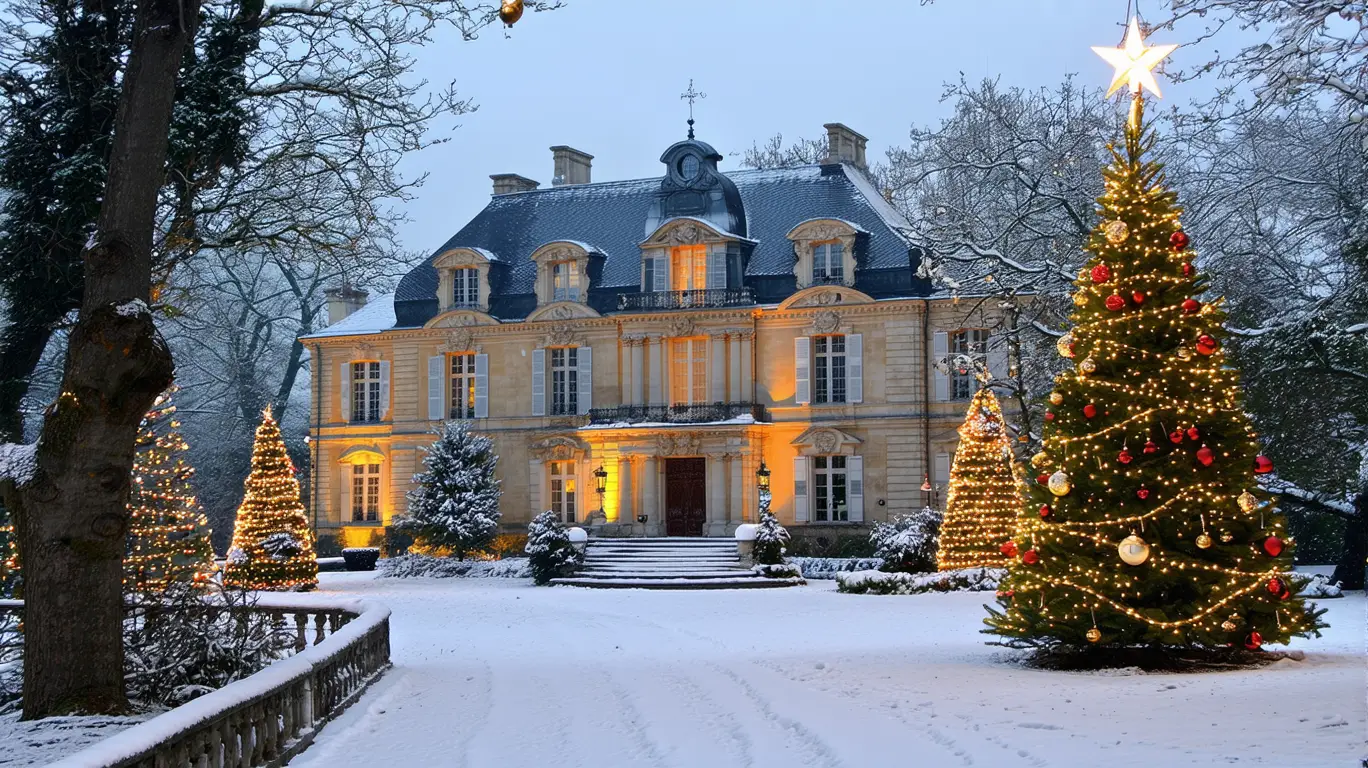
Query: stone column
(734, 391)
(626, 510)
(655, 350)
(717, 367)
(717, 495)
(650, 504)
(634, 369)
(747, 375)
(737, 496)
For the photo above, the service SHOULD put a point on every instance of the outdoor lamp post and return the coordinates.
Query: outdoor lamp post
(601, 485)
(762, 482)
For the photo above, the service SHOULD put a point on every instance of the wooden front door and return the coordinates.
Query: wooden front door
(685, 489)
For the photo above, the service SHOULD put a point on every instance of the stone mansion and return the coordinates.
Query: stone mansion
(639, 350)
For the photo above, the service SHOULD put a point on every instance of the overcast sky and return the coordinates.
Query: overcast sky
(605, 76)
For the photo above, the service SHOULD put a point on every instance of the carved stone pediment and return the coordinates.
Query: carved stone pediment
(681, 326)
(826, 296)
(558, 448)
(365, 351)
(819, 441)
(677, 444)
(459, 257)
(561, 334)
(459, 340)
(563, 310)
(825, 321)
(461, 318)
(684, 232)
(821, 229)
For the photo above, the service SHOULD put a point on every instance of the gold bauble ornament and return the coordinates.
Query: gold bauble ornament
(1184, 353)
(1039, 459)
(1228, 625)
(1203, 541)
(1088, 365)
(1065, 345)
(511, 11)
(1056, 398)
(1133, 550)
(1227, 537)
(1059, 483)
(1094, 635)
(1116, 231)
(1080, 299)
(1248, 502)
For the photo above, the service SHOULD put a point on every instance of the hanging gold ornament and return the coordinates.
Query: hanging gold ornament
(1065, 345)
(1080, 299)
(1088, 365)
(1133, 550)
(1227, 537)
(1248, 502)
(1094, 635)
(1203, 541)
(511, 11)
(1116, 231)
(1059, 483)
(1056, 398)
(1228, 625)
(1039, 459)
(1184, 353)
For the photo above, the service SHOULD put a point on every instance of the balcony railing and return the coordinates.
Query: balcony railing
(677, 414)
(700, 299)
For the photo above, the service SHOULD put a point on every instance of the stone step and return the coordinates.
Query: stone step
(735, 573)
(647, 564)
(719, 583)
(645, 558)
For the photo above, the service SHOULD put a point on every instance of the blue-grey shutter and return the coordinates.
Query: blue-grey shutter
(539, 382)
(800, 488)
(997, 357)
(717, 266)
(855, 488)
(437, 388)
(802, 370)
(584, 373)
(661, 281)
(344, 376)
(384, 390)
(854, 344)
(482, 386)
(940, 352)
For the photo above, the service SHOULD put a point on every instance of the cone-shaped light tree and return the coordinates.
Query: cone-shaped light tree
(982, 503)
(168, 533)
(273, 547)
(1145, 526)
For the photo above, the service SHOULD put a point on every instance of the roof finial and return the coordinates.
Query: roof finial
(691, 96)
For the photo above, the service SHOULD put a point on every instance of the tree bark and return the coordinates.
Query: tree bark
(71, 516)
(1350, 571)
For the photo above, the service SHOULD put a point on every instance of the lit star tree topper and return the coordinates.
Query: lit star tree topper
(1134, 62)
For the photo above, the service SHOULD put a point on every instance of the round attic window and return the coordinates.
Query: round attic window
(688, 167)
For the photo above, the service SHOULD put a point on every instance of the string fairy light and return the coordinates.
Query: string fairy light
(981, 503)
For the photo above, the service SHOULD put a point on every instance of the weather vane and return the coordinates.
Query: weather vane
(692, 96)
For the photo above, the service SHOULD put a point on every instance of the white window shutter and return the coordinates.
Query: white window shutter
(539, 382)
(585, 375)
(346, 472)
(535, 478)
(344, 375)
(717, 266)
(800, 488)
(855, 488)
(437, 388)
(940, 350)
(854, 344)
(997, 357)
(384, 390)
(662, 273)
(482, 386)
(802, 370)
(941, 475)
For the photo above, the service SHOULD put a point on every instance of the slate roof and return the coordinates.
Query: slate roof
(612, 218)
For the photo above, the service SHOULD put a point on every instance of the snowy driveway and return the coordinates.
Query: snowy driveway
(493, 672)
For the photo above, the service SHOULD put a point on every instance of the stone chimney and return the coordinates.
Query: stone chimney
(571, 166)
(845, 146)
(509, 183)
(343, 301)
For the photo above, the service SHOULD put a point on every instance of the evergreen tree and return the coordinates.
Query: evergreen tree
(272, 544)
(168, 533)
(456, 504)
(1146, 525)
(908, 542)
(981, 506)
(771, 538)
(549, 551)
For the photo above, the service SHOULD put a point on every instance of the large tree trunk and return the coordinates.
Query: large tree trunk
(71, 515)
(1349, 572)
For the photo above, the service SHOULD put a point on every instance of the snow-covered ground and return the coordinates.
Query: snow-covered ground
(492, 672)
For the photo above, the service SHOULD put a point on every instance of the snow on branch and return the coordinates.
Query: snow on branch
(1343, 507)
(18, 462)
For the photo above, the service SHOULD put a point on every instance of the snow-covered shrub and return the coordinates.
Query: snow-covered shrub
(550, 553)
(419, 566)
(899, 583)
(907, 543)
(828, 567)
(456, 504)
(1318, 585)
(770, 538)
(361, 558)
(281, 546)
(779, 571)
(327, 545)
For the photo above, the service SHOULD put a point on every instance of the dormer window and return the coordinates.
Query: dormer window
(828, 263)
(566, 277)
(825, 252)
(562, 272)
(463, 279)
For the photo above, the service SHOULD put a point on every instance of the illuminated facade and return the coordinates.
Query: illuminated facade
(658, 339)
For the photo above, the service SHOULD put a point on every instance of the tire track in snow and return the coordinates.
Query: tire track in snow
(719, 718)
(819, 751)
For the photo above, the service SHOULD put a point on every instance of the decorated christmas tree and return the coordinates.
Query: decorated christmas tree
(981, 507)
(1145, 526)
(456, 504)
(273, 547)
(168, 533)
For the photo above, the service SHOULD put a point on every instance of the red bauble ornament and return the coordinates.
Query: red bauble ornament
(1030, 557)
(1187, 269)
(1179, 240)
(1151, 446)
(1008, 593)
(1273, 546)
(1138, 297)
(1262, 465)
(1115, 303)
(1254, 641)
(1176, 436)
(1193, 434)
(1045, 511)
(1192, 306)
(1049, 416)
(1206, 345)
(1043, 478)
(1205, 456)
(1009, 548)
(1142, 493)
(1286, 593)
(1125, 456)
(1275, 586)
(1101, 273)
(1090, 410)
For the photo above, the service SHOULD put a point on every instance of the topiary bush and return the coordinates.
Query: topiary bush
(549, 551)
(907, 543)
(770, 540)
(361, 558)
(327, 545)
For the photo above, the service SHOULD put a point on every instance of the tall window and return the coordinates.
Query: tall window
(969, 346)
(689, 264)
(462, 386)
(466, 287)
(564, 381)
(365, 401)
(563, 490)
(566, 277)
(828, 263)
(365, 493)
(829, 489)
(688, 371)
(829, 369)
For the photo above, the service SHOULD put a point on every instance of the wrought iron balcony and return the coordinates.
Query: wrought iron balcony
(700, 299)
(677, 414)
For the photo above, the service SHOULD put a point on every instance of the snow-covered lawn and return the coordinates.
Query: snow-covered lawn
(493, 672)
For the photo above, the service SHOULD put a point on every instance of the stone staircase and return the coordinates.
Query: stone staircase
(667, 564)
